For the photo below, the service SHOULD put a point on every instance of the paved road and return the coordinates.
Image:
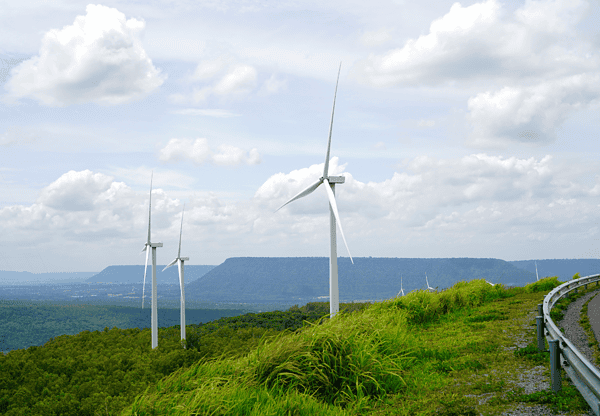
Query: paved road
(594, 315)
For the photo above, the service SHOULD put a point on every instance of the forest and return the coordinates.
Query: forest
(100, 372)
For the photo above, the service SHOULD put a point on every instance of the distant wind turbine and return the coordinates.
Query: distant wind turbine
(536, 273)
(401, 289)
(179, 260)
(489, 283)
(428, 287)
(334, 217)
(154, 297)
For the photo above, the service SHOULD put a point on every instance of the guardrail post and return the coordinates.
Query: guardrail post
(540, 333)
(540, 309)
(555, 365)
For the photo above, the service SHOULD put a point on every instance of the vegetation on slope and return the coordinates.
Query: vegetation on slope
(416, 355)
(424, 353)
(100, 372)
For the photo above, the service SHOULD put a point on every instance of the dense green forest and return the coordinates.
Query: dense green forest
(100, 372)
(24, 324)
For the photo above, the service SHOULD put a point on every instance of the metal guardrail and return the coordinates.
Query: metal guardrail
(584, 375)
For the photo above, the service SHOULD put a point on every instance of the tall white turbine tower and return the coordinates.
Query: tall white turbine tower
(330, 181)
(536, 273)
(154, 297)
(179, 260)
(401, 289)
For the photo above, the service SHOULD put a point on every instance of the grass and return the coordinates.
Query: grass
(448, 353)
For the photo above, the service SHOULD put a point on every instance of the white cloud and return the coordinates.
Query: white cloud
(76, 191)
(536, 62)
(98, 59)
(199, 152)
(240, 79)
(209, 68)
(477, 199)
(223, 77)
(530, 113)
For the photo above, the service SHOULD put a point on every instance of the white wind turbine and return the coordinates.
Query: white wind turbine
(154, 300)
(401, 289)
(428, 287)
(179, 260)
(536, 273)
(330, 181)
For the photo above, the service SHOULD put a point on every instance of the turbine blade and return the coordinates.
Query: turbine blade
(144, 249)
(180, 231)
(307, 191)
(170, 264)
(335, 213)
(145, 269)
(150, 208)
(326, 168)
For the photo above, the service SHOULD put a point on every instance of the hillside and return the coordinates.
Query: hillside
(306, 279)
(420, 354)
(564, 269)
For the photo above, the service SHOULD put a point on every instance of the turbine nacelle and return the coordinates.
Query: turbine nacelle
(333, 179)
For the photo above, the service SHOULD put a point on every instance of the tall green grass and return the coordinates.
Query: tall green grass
(407, 354)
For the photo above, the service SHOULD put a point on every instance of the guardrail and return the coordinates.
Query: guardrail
(584, 375)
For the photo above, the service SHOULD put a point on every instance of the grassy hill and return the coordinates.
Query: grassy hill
(448, 353)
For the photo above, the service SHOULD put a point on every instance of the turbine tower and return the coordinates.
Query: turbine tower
(401, 289)
(154, 297)
(536, 273)
(428, 287)
(330, 181)
(179, 260)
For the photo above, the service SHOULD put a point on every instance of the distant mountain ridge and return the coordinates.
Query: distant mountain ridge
(305, 279)
(135, 274)
(28, 278)
(111, 274)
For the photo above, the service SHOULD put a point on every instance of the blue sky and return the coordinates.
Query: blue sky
(463, 129)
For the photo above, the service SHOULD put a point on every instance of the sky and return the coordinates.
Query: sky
(462, 129)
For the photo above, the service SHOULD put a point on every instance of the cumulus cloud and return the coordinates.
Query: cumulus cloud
(538, 66)
(199, 152)
(479, 192)
(477, 202)
(75, 191)
(530, 113)
(99, 58)
(482, 41)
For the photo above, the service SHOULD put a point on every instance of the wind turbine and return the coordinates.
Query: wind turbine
(536, 273)
(428, 287)
(489, 283)
(154, 299)
(179, 260)
(401, 289)
(330, 181)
